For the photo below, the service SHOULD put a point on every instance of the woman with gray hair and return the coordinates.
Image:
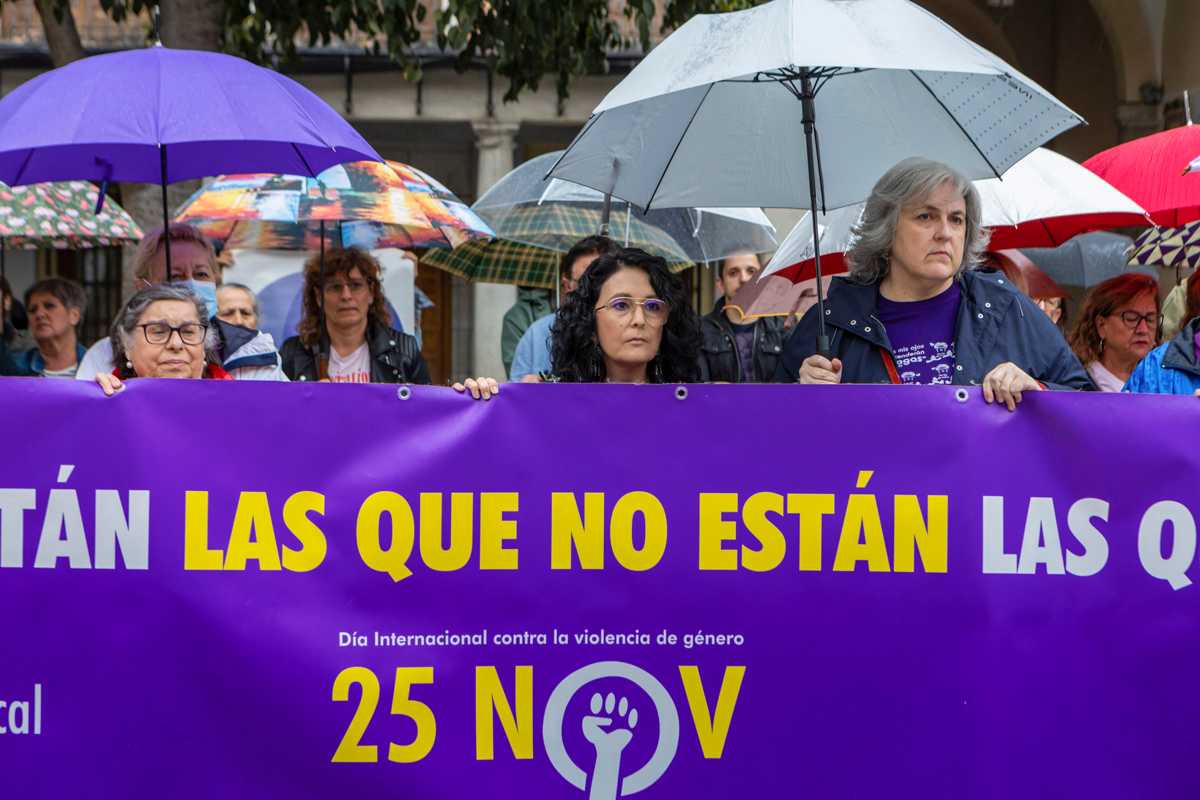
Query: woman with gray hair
(912, 311)
(162, 332)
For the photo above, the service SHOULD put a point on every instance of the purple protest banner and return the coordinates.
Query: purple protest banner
(234, 589)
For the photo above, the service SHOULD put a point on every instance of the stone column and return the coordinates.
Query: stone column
(1135, 120)
(494, 142)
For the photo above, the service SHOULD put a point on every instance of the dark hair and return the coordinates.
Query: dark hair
(340, 262)
(1102, 300)
(69, 293)
(575, 351)
(721, 263)
(587, 246)
(1193, 298)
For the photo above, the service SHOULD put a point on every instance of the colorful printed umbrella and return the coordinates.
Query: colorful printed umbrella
(1169, 247)
(504, 261)
(371, 204)
(61, 215)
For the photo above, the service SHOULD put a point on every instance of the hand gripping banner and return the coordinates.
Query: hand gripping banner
(215, 589)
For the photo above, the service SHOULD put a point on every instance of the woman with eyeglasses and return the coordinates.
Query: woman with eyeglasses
(1174, 366)
(627, 322)
(1117, 327)
(162, 332)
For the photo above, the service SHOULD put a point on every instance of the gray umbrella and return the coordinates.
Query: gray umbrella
(1086, 260)
(702, 234)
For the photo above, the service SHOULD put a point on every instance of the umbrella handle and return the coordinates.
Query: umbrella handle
(605, 214)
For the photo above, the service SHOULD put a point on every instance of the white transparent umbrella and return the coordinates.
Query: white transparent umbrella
(804, 104)
(1043, 201)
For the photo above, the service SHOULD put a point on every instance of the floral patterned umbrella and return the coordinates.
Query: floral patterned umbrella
(365, 203)
(61, 215)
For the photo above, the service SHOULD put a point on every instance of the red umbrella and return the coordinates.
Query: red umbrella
(1151, 171)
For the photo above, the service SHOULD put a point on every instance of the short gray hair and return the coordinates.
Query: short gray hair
(913, 179)
(127, 320)
(243, 287)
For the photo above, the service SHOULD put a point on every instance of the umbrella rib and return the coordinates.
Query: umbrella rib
(662, 175)
(1049, 233)
(24, 164)
(303, 160)
(970, 139)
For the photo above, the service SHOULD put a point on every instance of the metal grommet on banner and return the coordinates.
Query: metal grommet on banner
(404, 393)
(681, 393)
(961, 395)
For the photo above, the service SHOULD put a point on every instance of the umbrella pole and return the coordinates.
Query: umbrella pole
(162, 166)
(605, 214)
(808, 117)
(322, 357)
(3, 294)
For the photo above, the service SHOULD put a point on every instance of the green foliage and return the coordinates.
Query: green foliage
(678, 12)
(522, 40)
(526, 39)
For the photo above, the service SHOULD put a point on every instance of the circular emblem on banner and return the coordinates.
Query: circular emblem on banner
(611, 726)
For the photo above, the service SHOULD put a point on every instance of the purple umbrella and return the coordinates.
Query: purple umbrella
(158, 115)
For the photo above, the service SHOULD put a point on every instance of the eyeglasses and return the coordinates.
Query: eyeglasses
(160, 332)
(655, 310)
(1132, 318)
(337, 287)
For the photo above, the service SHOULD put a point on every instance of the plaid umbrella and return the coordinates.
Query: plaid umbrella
(373, 205)
(1169, 247)
(61, 215)
(558, 226)
(504, 261)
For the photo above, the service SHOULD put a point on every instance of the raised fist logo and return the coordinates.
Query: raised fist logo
(609, 740)
(609, 728)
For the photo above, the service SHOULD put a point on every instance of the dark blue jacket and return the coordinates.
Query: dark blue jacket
(996, 323)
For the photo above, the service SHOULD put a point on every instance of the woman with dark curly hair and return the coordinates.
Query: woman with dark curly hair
(628, 322)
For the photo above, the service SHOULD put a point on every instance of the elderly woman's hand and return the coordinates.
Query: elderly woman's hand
(110, 383)
(480, 388)
(818, 369)
(1006, 382)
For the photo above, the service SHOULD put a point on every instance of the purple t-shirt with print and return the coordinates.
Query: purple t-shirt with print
(922, 335)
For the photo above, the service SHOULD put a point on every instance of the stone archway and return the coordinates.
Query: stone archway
(1133, 43)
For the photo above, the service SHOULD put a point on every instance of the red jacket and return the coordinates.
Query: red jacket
(211, 372)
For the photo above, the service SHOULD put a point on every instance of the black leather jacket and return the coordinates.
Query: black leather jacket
(395, 358)
(719, 357)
